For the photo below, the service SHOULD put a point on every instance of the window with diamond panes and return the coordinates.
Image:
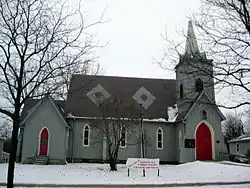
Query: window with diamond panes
(159, 138)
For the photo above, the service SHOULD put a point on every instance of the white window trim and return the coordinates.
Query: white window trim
(83, 132)
(237, 144)
(157, 138)
(125, 138)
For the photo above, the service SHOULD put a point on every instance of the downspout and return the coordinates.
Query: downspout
(142, 133)
(72, 150)
(67, 143)
(142, 139)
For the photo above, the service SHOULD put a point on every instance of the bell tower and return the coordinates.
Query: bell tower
(194, 72)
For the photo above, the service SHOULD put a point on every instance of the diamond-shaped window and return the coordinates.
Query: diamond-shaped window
(144, 97)
(98, 94)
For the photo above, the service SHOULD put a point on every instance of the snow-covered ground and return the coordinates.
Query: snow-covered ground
(99, 174)
(215, 186)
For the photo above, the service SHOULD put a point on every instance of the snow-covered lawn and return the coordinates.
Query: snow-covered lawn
(209, 186)
(99, 174)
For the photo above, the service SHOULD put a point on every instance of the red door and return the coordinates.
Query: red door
(44, 142)
(203, 143)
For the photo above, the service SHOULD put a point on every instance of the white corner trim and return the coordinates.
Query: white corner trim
(39, 140)
(157, 138)
(212, 137)
(83, 132)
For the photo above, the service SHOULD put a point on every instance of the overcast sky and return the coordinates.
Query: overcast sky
(134, 30)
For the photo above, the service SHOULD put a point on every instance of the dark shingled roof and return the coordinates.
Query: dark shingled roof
(30, 103)
(78, 104)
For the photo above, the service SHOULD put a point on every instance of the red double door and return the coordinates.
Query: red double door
(203, 143)
(44, 142)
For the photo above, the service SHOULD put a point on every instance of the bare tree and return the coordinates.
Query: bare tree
(246, 117)
(5, 129)
(35, 38)
(224, 32)
(78, 65)
(233, 127)
(119, 126)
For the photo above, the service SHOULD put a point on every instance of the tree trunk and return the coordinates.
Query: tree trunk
(21, 145)
(113, 165)
(12, 158)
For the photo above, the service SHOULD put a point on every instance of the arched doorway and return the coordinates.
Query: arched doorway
(44, 142)
(203, 143)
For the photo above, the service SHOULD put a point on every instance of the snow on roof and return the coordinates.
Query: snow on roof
(241, 138)
(155, 120)
(172, 113)
(96, 118)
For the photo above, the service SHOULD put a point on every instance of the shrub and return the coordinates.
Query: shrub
(248, 153)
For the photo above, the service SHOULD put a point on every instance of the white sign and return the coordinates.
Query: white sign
(142, 163)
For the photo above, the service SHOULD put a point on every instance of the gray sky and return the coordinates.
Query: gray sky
(134, 31)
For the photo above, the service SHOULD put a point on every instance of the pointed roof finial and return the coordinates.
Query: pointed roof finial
(191, 42)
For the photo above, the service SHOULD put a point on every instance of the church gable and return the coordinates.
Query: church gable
(36, 106)
(204, 102)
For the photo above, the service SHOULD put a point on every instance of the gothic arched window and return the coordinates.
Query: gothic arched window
(159, 140)
(204, 114)
(181, 91)
(123, 137)
(86, 135)
(198, 85)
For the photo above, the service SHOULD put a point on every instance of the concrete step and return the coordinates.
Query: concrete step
(41, 160)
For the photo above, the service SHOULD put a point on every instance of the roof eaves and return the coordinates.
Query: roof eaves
(242, 138)
(217, 108)
(193, 105)
(32, 111)
(59, 111)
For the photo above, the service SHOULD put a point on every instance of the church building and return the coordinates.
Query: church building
(180, 119)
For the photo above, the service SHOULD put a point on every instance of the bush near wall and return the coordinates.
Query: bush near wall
(248, 153)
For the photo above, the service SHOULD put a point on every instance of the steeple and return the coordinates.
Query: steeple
(191, 42)
(193, 72)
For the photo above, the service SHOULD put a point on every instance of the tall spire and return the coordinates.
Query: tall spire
(191, 42)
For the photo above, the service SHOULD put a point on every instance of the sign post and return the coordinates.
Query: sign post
(143, 163)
